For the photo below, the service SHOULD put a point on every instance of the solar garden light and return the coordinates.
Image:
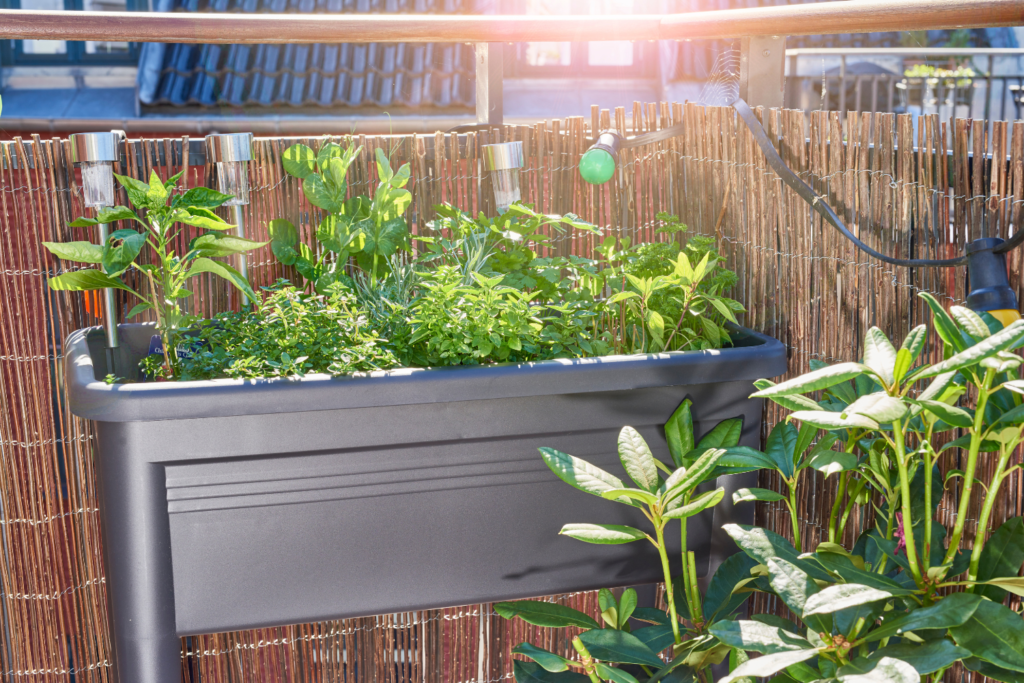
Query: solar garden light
(231, 153)
(503, 161)
(985, 258)
(96, 153)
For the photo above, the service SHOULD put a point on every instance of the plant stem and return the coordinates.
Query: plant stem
(908, 522)
(792, 514)
(986, 512)
(926, 556)
(972, 465)
(833, 517)
(659, 528)
(682, 316)
(586, 659)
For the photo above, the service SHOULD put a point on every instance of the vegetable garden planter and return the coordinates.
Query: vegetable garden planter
(239, 504)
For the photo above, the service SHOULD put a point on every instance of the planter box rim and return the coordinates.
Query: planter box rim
(93, 399)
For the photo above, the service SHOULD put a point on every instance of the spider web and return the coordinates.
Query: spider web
(722, 85)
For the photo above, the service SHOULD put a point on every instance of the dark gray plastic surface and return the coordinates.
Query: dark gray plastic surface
(228, 505)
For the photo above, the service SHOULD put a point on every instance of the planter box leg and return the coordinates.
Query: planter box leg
(140, 588)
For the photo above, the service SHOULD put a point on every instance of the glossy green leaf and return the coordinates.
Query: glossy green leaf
(1013, 584)
(657, 638)
(697, 505)
(603, 534)
(1009, 338)
(951, 415)
(695, 474)
(944, 324)
(830, 462)
(993, 633)
(299, 161)
(531, 672)
(952, 610)
(620, 647)
(546, 614)
(781, 447)
(651, 616)
(721, 600)
(223, 270)
(843, 596)
(790, 402)
(828, 420)
(614, 675)
(992, 671)
(205, 222)
(763, 545)
(137, 190)
(755, 494)
(217, 244)
(1002, 556)
(883, 670)
(284, 240)
(121, 251)
(927, 657)
(793, 585)
(758, 637)
(878, 406)
(548, 660)
(679, 433)
(627, 604)
(116, 213)
(578, 473)
(767, 665)
(970, 322)
(322, 195)
(79, 252)
(913, 343)
(200, 198)
(827, 376)
(725, 434)
(82, 280)
(636, 495)
(637, 459)
(880, 355)
(138, 308)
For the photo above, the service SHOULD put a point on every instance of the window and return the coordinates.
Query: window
(62, 52)
(618, 58)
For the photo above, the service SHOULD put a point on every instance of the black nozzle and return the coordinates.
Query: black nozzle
(987, 281)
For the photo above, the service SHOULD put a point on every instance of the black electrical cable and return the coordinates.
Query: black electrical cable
(807, 193)
(818, 203)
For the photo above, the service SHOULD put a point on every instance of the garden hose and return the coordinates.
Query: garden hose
(985, 258)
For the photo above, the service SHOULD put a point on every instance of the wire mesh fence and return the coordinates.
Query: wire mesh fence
(909, 189)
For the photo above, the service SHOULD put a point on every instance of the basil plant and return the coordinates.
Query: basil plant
(369, 229)
(151, 251)
(902, 602)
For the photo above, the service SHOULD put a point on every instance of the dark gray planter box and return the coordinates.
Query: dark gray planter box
(230, 505)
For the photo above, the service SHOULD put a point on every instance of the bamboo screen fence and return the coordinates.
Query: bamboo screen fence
(908, 189)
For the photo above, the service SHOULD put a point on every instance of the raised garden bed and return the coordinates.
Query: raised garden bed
(231, 504)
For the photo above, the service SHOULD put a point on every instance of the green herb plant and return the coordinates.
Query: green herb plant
(370, 230)
(164, 271)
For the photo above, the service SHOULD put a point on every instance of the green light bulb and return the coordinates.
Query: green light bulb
(597, 166)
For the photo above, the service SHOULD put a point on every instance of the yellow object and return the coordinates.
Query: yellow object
(1005, 316)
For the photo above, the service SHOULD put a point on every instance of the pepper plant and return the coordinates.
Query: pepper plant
(165, 271)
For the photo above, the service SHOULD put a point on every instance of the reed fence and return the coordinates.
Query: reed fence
(908, 188)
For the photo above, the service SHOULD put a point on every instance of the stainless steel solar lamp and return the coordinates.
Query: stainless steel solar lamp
(232, 152)
(96, 153)
(503, 161)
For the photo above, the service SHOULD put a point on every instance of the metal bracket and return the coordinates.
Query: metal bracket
(489, 104)
(763, 71)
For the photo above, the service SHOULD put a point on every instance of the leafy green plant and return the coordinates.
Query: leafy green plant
(166, 272)
(291, 334)
(663, 493)
(903, 603)
(371, 230)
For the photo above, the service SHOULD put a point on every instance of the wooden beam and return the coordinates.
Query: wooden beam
(852, 16)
